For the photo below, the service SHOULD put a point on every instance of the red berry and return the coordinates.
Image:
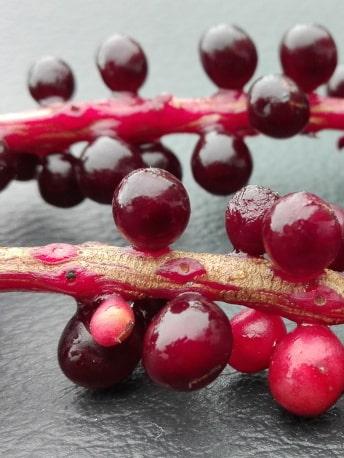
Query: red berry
(335, 87)
(221, 164)
(338, 263)
(244, 218)
(277, 107)
(301, 235)
(228, 56)
(103, 164)
(306, 374)
(26, 166)
(51, 80)
(255, 335)
(159, 156)
(308, 55)
(122, 63)
(187, 345)
(151, 208)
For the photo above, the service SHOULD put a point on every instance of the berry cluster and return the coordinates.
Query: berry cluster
(276, 105)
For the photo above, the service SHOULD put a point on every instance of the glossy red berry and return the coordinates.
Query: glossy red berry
(308, 55)
(335, 87)
(122, 63)
(57, 181)
(255, 335)
(93, 366)
(244, 218)
(221, 164)
(159, 156)
(187, 345)
(103, 164)
(301, 235)
(50, 80)
(306, 374)
(228, 55)
(151, 208)
(277, 107)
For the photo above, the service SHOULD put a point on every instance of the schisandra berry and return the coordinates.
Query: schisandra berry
(335, 87)
(122, 63)
(244, 218)
(338, 263)
(228, 56)
(159, 156)
(151, 208)
(277, 107)
(57, 181)
(112, 322)
(93, 366)
(25, 165)
(7, 167)
(103, 164)
(301, 235)
(255, 335)
(221, 164)
(306, 374)
(50, 80)
(187, 345)
(308, 55)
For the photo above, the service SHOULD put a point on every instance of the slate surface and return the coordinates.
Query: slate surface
(41, 413)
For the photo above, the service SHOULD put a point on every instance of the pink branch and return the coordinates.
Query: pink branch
(143, 120)
(87, 271)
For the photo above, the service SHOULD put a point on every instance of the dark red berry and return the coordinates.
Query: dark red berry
(151, 208)
(91, 365)
(301, 235)
(255, 335)
(244, 218)
(57, 181)
(277, 107)
(308, 55)
(25, 165)
(50, 80)
(122, 63)
(221, 164)
(159, 156)
(338, 263)
(187, 345)
(148, 308)
(335, 87)
(7, 167)
(102, 166)
(228, 56)
(306, 374)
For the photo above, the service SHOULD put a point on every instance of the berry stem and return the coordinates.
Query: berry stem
(89, 270)
(137, 120)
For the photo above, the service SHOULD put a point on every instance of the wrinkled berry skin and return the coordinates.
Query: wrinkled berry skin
(306, 374)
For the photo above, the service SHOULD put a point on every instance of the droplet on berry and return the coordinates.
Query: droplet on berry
(308, 55)
(277, 107)
(301, 235)
(255, 335)
(221, 164)
(112, 322)
(25, 165)
(103, 164)
(159, 156)
(122, 63)
(187, 345)
(50, 80)
(228, 55)
(93, 366)
(306, 374)
(335, 87)
(151, 208)
(244, 218)
(57, 181)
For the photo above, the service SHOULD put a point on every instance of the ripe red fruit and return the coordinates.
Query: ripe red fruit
(306, 374)
(255, 335)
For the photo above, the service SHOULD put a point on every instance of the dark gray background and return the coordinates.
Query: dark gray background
(41, 413)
